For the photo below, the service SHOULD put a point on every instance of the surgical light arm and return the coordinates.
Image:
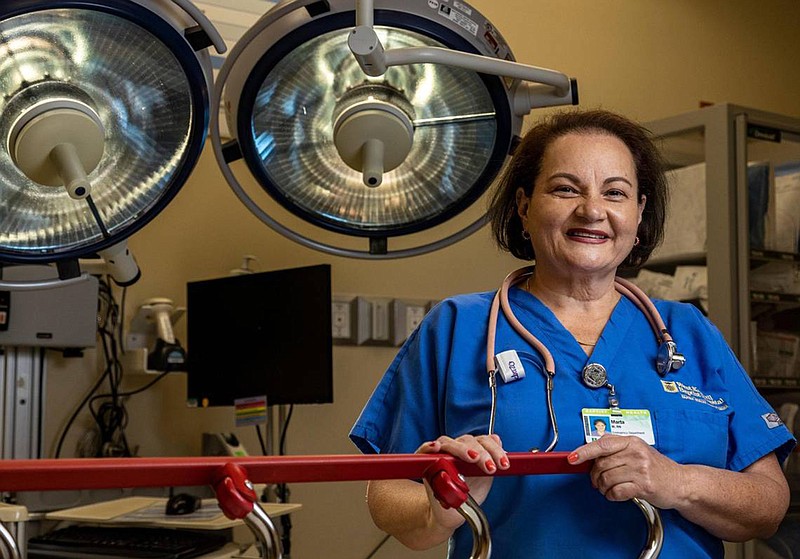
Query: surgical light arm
(550, 88)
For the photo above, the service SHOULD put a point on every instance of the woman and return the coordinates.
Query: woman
(584, 194)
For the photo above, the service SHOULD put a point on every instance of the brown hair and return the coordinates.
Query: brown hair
(526, 164)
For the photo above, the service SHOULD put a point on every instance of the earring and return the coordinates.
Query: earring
(526, 235)
(636, 242)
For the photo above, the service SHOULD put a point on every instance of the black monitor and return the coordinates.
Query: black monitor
(262, 334)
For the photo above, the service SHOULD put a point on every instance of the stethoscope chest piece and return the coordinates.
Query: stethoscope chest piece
(668, 358)
(594, 375)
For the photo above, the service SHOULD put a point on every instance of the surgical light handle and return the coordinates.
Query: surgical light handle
(205, 23)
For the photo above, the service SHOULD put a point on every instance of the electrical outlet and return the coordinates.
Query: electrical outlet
(343, 320)
(407, 315)
(350, 320)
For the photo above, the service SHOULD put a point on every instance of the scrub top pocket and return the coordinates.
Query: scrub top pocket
(693, 436)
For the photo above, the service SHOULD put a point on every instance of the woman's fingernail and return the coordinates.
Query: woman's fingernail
(432, 444)
(572, 458)
(472, 453)
(490, 466)
(504, 462)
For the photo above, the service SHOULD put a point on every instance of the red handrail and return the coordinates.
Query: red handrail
(103, 473)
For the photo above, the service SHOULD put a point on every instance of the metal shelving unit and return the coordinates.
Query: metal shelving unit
(726, 137)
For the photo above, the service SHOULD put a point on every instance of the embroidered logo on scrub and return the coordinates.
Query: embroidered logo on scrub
(772, 420)
(693, 393)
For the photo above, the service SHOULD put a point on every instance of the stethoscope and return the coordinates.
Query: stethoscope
(594, 375)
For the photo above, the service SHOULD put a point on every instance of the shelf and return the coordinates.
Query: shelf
(697, 258)
(775, 382)
(774, 256)
(781, 298)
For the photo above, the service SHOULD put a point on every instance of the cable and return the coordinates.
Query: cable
(377, 547)
(111, 417)
(284, 428)
(261, 440)
(106, 313)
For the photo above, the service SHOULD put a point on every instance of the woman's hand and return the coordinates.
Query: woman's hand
(484, 450)
(627, 467)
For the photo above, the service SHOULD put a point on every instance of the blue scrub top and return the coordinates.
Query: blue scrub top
(708, 413)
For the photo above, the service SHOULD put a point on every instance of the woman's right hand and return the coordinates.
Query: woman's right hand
(484, 450)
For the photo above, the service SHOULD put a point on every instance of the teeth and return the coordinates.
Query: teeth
(587, 235)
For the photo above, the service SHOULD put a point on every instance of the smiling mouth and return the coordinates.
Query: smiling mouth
(587, 235)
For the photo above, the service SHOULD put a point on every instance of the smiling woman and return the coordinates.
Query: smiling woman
(584, 194)
(584, 210)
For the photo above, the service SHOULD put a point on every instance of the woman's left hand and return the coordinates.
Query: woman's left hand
(627, 467)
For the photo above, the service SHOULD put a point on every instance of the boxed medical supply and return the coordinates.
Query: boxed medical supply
(777, 354)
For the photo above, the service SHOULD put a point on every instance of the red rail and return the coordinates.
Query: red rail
(104, 473)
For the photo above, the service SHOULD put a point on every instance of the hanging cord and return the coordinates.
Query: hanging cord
(108, 324)
(378, 547)
(111, 416)
(283, 490)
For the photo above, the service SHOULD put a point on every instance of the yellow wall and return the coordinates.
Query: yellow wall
(646, 58)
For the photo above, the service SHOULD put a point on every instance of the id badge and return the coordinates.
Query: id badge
(598, 421)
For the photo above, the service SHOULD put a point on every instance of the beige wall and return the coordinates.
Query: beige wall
(646, 58)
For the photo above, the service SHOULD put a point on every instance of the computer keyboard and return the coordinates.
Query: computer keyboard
(115, 542)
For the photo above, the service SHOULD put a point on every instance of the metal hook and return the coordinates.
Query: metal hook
(452, 491)
(8, 545)
(481, 540)
(238, 500)
(655, 530)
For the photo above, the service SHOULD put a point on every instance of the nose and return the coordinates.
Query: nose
(591, 207)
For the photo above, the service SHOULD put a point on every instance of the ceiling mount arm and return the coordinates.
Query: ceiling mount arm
(365, 12)
(552, 87)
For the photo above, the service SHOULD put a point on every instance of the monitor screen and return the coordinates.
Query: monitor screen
(262, 334)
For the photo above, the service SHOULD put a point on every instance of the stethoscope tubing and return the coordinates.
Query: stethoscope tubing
(655, 532)
(500, 301)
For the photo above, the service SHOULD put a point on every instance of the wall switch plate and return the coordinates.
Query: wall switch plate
(380, 321)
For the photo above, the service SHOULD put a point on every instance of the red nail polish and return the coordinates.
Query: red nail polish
(504, 462)
(490, 466)
(472, 454)
(572, 458)
(432, 444)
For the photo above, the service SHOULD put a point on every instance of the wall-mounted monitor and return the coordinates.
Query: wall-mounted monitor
(266, 333)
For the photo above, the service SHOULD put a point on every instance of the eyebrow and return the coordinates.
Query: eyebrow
(576, 180)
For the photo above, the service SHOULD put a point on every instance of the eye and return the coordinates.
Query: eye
(564, 189)
(616, 193)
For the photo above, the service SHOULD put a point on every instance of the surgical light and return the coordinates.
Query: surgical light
(373, 120)
(103, 114)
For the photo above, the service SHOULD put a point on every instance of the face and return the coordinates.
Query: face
(584, 210)
(600, 426)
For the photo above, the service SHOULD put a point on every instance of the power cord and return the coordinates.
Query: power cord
(108, 409)
(378, 547)
(108, 324)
